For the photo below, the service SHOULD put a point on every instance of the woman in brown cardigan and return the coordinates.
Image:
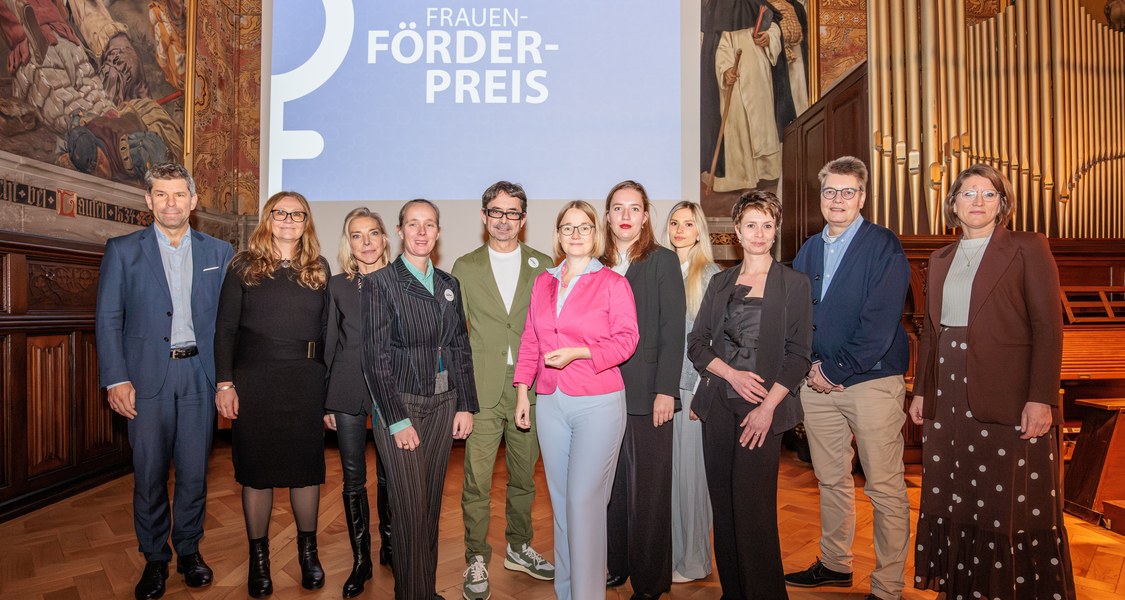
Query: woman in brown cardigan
(987, 379)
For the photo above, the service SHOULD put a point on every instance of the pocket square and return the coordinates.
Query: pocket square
(205, 269)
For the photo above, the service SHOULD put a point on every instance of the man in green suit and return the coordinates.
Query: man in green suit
(496, 284)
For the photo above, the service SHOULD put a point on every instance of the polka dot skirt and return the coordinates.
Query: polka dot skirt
(990, 523)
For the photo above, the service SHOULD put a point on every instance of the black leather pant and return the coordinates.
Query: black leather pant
(351, 434)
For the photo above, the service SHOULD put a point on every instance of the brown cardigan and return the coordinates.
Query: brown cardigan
(1014, 333)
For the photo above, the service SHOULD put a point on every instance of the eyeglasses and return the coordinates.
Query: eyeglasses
(496, 213)
(844, 193)
(298, 216)
(986, 195)
(583, 230)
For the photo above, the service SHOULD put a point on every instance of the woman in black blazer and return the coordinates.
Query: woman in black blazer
(419, 369)
(639, 542)
(752, 341)
(363, 249)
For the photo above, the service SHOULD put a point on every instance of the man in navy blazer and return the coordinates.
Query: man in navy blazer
(855, 388)
(158, 292)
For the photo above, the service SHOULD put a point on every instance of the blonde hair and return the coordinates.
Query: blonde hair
(699, 257)
(261, 258)
(345, 257)
(596, 234)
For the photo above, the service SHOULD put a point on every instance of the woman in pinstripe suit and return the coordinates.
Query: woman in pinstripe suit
(419, 369)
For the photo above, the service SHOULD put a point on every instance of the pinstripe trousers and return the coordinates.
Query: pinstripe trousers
(416, 479)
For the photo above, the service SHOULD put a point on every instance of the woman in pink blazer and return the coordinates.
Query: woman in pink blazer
(581, 324)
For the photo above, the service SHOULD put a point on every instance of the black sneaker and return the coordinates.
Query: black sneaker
(818, 575)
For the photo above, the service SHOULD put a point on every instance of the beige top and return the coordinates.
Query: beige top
(958, 286)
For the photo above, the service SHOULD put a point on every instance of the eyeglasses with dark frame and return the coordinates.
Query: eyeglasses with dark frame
(845, 193)
(583, 230)
(298, 216)
(512, 215)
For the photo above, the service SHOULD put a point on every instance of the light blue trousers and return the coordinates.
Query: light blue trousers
(579, 439)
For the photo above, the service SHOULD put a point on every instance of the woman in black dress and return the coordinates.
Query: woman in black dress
(751, 340)
(419, 368)
(269, 361)
(363, 249)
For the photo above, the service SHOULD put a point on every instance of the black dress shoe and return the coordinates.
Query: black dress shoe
(196, 572)
(613, 581)
(818, 575)
(151, 584)
(640, 596)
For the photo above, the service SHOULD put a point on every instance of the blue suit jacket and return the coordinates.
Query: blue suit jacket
(134, 311)
(857, 326)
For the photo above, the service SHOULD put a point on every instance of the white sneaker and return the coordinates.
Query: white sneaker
(677, 578)
(476, 580)
(529, 561)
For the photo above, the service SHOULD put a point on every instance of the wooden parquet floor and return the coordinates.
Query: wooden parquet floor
(83, 548)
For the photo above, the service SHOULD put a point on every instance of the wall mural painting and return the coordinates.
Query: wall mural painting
(754, 81)
(94, 85)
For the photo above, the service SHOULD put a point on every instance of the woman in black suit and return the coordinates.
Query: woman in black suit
(640, 506)
(752, 340)
(363, 249)
(419, 369)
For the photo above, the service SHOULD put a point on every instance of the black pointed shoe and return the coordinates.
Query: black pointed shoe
(151, 585)
(258, 581)
(312, 575)
(196, 572)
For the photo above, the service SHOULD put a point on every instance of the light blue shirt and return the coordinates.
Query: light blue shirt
(178, 267)
(427, 278)
(564, 291)
(834, 250)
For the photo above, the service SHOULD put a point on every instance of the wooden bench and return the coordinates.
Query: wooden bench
(1096, 472)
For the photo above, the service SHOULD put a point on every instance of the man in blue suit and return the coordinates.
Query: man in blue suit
(158, 292)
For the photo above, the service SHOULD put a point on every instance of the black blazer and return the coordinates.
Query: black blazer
(343, 348)
(405, 329)
(658, 289)
(784, 342)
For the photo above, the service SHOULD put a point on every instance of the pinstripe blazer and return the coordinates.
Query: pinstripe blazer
(406, 329)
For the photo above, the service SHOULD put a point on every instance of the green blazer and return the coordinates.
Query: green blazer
(492, 329)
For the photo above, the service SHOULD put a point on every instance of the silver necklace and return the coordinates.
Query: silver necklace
(969, 258)
(285, 262)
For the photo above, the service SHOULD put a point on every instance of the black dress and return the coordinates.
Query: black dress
(269, 341)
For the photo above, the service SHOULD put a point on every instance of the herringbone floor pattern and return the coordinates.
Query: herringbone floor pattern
(83, 548)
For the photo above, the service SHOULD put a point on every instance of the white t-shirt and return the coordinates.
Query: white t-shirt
(506, 270)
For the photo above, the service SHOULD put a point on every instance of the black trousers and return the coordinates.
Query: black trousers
(417, 478)
(742, 484)
(639, 524)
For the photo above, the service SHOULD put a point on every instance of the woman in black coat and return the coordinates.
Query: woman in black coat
(363, 249)
(751, 340)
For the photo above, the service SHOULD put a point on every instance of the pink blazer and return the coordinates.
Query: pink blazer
(599, 313)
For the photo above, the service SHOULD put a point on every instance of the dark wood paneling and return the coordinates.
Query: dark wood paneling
(55, 287)
(58, 435)
(50, 445)
(835, 126)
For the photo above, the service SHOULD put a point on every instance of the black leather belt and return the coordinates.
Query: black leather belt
(186, 352)
(265, 347)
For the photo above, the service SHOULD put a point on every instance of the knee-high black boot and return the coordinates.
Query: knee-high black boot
(312, 575)
(258, 582)
(358, 514)
(383, 505)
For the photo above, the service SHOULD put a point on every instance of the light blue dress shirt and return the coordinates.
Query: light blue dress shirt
(834, 250)
(178, 265)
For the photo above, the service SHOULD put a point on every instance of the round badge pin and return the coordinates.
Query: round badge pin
(449, 295)
(532, 262)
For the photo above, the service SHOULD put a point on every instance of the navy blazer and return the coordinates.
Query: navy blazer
(405, 329)
(658, 289)
(857, 327)
(783, 341)
(134, 311)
